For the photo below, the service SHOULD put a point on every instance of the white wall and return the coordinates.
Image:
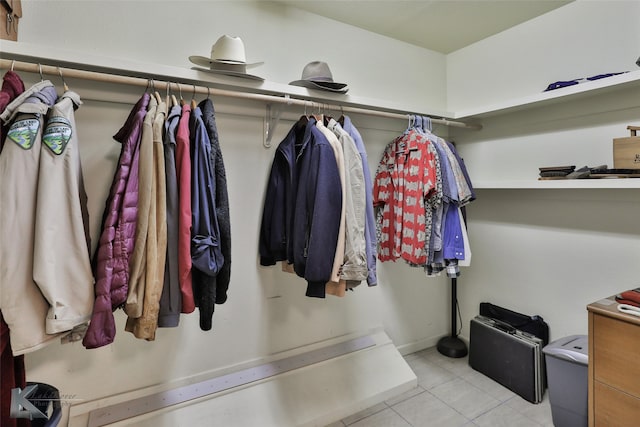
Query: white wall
(168, 32)
(552, 252)
(549, 252)
(267, 311)
(556, 251)
(581, 39)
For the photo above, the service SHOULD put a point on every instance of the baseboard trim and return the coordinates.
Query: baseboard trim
(321, 384)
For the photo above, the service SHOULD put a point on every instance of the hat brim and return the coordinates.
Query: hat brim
(206, 62)
(330, 86)
(228, 73)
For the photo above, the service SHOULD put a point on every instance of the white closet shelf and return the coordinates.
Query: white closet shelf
(88, 61)
(603, 183)
(588, 92)
(184, 74)
(624, 81)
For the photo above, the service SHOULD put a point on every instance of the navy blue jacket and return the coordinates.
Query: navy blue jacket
(206, 254)
(317, 212)
(221, 200)
(279, 202)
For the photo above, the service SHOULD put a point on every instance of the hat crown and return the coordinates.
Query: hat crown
(316, 75)
(228, 48)
(317, 71)
(227, 57)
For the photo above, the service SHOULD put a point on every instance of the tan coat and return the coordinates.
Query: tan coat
(145, 326)
(138, 261)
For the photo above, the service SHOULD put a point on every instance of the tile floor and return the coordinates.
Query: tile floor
(451, 394)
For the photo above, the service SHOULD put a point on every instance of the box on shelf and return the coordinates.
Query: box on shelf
(626, 151)
(11, 11)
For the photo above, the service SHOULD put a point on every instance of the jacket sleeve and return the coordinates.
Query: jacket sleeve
(272, 245)
(224, 222)
(102, 329)
(324, 201)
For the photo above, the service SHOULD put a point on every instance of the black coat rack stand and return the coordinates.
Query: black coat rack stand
(452, 346)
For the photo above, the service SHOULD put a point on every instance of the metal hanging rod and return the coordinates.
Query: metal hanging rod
(30, 67)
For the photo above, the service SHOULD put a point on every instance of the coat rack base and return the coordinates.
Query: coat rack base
(452, 347)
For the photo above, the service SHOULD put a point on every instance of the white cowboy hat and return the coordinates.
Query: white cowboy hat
(227, 57)
(316, 75)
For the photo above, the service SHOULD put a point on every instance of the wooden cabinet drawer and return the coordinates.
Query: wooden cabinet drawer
(615, 408)
(616, 354)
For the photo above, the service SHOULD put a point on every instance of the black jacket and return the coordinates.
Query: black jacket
(223, 278)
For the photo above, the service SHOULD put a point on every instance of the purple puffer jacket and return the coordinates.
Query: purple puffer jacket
(111, 259)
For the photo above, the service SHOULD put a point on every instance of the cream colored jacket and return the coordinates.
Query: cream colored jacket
(336, 286)
(354, 269)
(46, 285)
(62, 266)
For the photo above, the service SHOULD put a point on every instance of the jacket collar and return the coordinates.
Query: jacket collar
(291, 146)
(308, 135)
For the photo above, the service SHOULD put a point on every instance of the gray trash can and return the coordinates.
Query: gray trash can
(567, 362)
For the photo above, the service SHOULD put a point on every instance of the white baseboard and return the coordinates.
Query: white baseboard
(418, 345)
(424, 344)
(313, 395)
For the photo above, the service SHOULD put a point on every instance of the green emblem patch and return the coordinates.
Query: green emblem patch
(23, 132)
(57, 134)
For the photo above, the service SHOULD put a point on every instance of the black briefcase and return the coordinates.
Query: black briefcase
(509, 356)
(534, 325)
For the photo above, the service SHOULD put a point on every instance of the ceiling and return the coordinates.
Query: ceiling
(440, 25)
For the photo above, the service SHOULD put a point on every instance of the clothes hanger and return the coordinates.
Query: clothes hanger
(411, 123)
(303, 119)
(400, 141)
(180, 91)
(146, 88)
(427, 124)
(418, 124)
(325, 116)
(40, 71)
(174, 101)
(156, 95)
(319, 117)
(64, 84)
(194, 104)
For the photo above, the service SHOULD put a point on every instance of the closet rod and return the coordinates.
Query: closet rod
(30, 67)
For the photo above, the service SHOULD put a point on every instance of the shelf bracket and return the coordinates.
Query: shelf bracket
(271, 120)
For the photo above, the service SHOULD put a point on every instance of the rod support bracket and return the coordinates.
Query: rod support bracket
(271, 120)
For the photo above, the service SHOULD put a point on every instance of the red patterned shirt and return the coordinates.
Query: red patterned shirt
(406, 177)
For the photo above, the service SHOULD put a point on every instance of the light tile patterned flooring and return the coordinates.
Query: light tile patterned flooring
(451, 394)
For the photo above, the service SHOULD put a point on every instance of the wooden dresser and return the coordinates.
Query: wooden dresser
(614, 366)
